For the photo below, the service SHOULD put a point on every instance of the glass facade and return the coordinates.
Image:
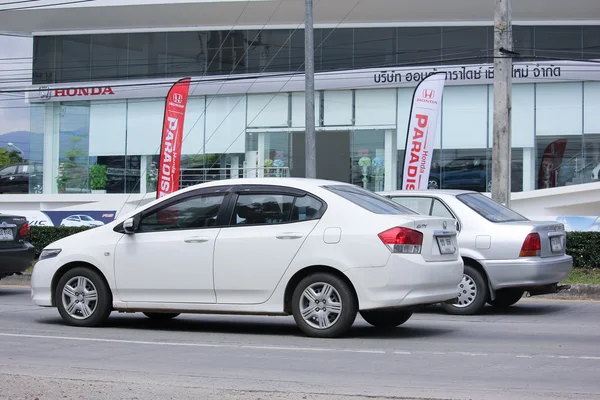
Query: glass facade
(361, 133)
(84, 58)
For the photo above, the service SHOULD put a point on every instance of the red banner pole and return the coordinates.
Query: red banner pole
(172, 136)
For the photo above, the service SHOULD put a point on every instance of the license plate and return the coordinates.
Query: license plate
(445, 245)
(6, 235)
(556, 244)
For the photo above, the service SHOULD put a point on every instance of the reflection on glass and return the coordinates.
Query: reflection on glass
(73, 148)
(368, 159)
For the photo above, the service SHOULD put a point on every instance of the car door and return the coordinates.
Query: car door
(21, 179)
(169, 258)
(268, 225)
(7, 179)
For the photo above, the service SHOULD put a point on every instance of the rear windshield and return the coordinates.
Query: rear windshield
(489, 209)
(368, 200)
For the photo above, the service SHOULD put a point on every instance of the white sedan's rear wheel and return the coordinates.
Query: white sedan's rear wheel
(472, 294)
(324, 306)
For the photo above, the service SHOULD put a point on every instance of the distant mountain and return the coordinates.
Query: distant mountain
(21, 139)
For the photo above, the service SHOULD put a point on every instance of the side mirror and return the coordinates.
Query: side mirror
(129, 226)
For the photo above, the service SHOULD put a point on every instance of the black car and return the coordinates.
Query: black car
(16, 253)
(19, 178)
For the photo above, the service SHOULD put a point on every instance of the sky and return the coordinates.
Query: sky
(14, 112)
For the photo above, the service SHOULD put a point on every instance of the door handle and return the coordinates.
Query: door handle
(196, 239)
(289, 235)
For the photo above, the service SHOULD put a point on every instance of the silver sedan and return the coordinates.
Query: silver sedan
(505, 254)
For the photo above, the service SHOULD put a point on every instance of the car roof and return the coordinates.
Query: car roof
(428, 192)
(298, 183)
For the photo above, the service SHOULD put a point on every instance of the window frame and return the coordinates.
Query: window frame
(273, 190)
(216, 190)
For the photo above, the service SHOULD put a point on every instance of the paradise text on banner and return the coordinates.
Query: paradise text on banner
(422, 129)
(172, 136)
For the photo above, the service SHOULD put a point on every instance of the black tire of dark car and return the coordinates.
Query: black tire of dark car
(481, 297)
(157, 316)
(506, 298)
(386, 319)
(347, 299)
(102, 307)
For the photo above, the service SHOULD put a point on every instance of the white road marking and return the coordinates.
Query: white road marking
(285, 348)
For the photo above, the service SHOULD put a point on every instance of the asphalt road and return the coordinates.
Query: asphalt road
(536, 350)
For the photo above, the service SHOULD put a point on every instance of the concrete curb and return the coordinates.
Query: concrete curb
(577, 292)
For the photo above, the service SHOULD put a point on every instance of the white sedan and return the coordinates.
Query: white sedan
(321, 251)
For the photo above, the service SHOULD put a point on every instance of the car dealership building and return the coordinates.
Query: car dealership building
(102, 69)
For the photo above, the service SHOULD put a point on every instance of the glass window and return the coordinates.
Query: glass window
(440, 210)
(74, 147)
(591, 42)
(44, 52)
(337, 48)
(258, 209)
(191, 213)
(524, 41)
(8, 170)
(558, 41)
(213, 46)
(305, 208)
(489, 209)
(374, 47)
(368, 159)
(368, 200)
(421, 205)
(464, 45)
(73, 58)
(147, 55)
(109, 56)
(186, 53)
(297, 50)
(268, 51)
(418, 46)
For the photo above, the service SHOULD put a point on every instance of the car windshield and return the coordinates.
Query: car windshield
(86, 218)
(368, 200)
(489, 209)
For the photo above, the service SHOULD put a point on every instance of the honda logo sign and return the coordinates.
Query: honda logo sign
(428, 93)
(177, 98)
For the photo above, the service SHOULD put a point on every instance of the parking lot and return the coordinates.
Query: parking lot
(537, 349)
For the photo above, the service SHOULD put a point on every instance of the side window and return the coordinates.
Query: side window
(421, 205)
(305, 208)
(440, 210)
(191, 213)
(8, 170)
(259, 209)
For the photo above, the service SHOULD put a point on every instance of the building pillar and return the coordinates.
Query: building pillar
(529, 174)
(235, 167)
(263, 148)
(391, 160)
(51, 147)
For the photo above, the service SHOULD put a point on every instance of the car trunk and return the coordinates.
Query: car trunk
(13, 231)
(439, 235)
(552, 236)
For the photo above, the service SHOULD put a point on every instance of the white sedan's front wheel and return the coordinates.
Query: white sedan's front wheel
(83, 298)
(324, 306)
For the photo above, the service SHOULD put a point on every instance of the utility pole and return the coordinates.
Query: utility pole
(309, 66)
(501, 150)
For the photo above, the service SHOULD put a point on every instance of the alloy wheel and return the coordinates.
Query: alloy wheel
(467, 292)
(80, 297)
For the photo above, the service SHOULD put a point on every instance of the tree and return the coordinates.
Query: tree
(10, 157)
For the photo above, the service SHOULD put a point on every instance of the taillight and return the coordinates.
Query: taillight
(24, 231)
(531, 246)
(402, 240)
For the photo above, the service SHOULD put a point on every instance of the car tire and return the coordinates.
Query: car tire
(156, 316)
(386, 319)
(473, 294)
(85, 288)
(312, 315)
(506, 298)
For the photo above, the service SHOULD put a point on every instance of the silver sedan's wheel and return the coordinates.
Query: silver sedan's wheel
(467, 292)
(80, 297)
(320, 305)
(83, 297)
(472, 293)
(324, 305)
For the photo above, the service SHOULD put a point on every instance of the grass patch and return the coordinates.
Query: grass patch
(584, 276)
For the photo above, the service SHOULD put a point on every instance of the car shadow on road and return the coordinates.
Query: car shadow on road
(520, 309)
(273, 326)
(9, 291)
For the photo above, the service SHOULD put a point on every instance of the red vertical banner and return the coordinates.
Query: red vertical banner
(172, 136)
